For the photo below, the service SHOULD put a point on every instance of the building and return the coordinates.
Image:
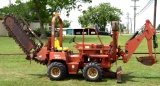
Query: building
(77, 31)
(3, 31)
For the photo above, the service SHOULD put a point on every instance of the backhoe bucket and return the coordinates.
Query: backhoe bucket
(146, 60)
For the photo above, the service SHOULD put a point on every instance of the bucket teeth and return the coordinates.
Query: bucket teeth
(146, 60)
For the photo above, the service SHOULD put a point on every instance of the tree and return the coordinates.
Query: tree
(46, 8)
(66, 23)
(158, 28)
(42, 10)
(17, 9)
(101, 15)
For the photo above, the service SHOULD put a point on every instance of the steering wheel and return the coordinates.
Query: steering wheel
(72, 40)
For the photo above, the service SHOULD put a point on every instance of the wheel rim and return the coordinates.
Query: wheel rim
(92, 72)
(55, 71)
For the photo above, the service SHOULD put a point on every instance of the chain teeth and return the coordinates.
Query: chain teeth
(14, 35)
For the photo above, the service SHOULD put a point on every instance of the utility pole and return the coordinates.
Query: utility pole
(131, 24)
(155, 9)
(135, 6)
(9, 2)
(155, 44)
(127, 22)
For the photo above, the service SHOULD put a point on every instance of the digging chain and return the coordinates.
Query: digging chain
(10, 22)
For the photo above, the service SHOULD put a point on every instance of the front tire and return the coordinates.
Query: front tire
(56, 71)
(93, 72)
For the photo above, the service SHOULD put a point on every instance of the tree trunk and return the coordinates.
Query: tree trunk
(102, 27)
(43, 34)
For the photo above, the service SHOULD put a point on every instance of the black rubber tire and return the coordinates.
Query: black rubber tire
(53, 67)
(93, 66)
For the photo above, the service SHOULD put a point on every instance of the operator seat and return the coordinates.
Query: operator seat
(58, 47)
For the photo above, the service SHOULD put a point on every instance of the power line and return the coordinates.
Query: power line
(145, 7)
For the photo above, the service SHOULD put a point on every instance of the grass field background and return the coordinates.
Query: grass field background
(16, 71)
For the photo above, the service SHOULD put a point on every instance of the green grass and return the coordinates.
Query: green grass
(16, 71)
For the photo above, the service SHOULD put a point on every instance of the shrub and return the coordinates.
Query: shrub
(38, 32)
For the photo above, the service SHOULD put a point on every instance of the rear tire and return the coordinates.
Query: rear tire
(93, 72)
(56, 71)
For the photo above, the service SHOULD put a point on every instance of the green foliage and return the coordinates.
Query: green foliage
(38, 32)
(66, 23)
(101, 15)
(47, 31)
(42, 10)
(15, 9)
(19, 8)
(58, 5)
(158, 28)
(120, 28)
(46, 8)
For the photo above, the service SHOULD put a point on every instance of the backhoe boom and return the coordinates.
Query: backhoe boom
(132, 45)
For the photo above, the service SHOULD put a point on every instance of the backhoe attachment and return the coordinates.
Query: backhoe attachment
(149, 33)
(134, 42)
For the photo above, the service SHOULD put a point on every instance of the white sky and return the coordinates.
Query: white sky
(124, 5)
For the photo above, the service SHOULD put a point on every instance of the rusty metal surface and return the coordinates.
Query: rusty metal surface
(32, 32)
(119, 71)
(19, 35)
(146, 53)
(146, 60)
